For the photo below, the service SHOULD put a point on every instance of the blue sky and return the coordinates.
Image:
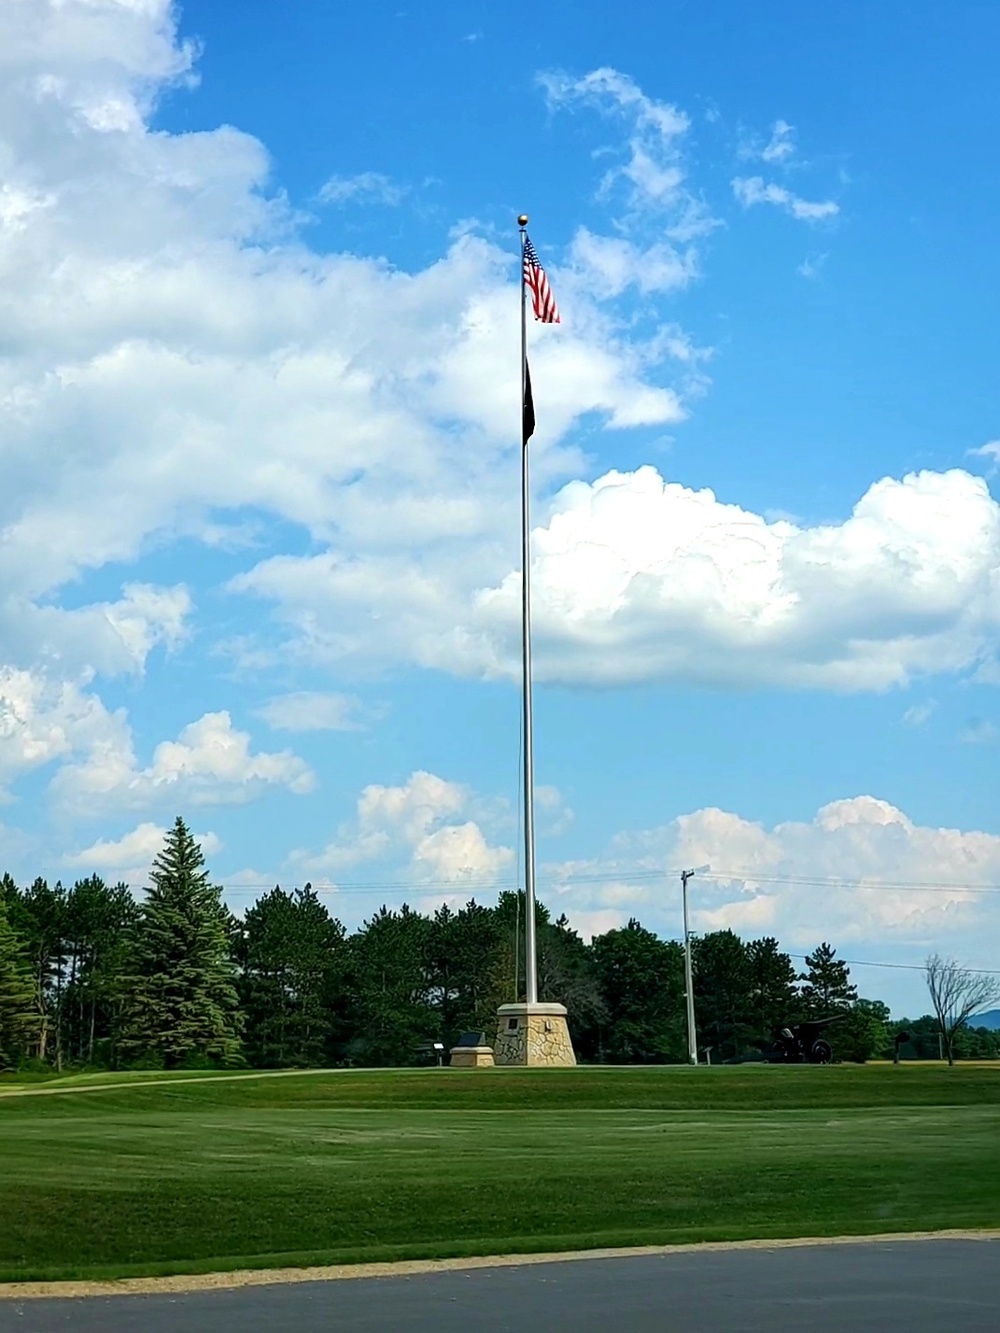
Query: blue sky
(258, 457)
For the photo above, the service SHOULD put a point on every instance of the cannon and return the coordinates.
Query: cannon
(796, 1044)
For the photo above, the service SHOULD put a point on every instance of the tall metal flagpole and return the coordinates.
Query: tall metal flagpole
(530, 954)
(528, 1033)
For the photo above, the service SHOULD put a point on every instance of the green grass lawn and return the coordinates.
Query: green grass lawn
(198, 1173)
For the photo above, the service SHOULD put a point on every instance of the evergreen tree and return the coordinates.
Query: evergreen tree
(41, 922)
(443, 968)
(18, 1016)
(391, 989)
(510, 910)
(641, 981)
(8, 891)
(721, 993)
(469, 969)
(827, 988)
(293, 957)
(18, 1011)
(100, 922)
(773, 1001)
(183, 1005)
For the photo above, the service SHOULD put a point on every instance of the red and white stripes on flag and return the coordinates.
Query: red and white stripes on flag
(542, 300)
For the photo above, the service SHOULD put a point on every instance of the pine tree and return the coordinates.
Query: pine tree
(183, 1005)
(391, 988)
(294, 957)
(721, 992)
(100, 920)
(772, 978)
(471, 969)
(827, 988)
(41, 920)
(18, 1021)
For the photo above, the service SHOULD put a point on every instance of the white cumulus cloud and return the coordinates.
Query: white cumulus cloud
(422, 819)
(459, 852)
(980, 731)
(150, 337)
(367, 186)
(210, 763)
(860, 873)
(990, 451)
(611, 264)
(781, 144)
(651, 163)
(311, 710)
(917, 715)
(779, 148)
(43, 721)
(635, 578)
(135, 849)
(751, 190)
(163, 315)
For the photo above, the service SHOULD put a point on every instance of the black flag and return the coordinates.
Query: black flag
(528, 418)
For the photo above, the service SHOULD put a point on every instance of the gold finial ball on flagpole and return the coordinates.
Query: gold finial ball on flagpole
(522, 221)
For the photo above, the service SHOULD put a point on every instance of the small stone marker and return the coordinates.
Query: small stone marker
(471, 1052)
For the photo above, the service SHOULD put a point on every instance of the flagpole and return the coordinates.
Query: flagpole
(530, 955)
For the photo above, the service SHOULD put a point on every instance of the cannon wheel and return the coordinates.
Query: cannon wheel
(820, 1053)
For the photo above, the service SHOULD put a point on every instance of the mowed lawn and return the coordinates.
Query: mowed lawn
(198, 1173)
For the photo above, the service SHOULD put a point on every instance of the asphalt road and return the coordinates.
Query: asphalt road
(949, 1286)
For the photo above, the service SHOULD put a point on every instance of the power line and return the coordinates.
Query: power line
(447, 889)
(639, 876)
(904, 967)
(451, 891)
(831, 882)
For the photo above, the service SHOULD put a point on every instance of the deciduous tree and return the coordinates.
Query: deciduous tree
(956, 994)
(641, 982)
(862, 1033)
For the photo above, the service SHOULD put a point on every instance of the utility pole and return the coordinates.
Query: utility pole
(692, 1033)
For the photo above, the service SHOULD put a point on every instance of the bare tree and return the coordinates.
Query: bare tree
(956, 994)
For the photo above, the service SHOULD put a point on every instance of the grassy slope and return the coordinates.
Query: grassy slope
(197, 1173)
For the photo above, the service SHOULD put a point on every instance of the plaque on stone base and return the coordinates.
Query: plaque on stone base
(533, 1034)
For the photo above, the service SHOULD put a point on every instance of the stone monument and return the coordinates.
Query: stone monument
(471, 1052)
(533, 1034)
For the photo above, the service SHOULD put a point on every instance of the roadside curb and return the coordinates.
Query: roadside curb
(267, 1277)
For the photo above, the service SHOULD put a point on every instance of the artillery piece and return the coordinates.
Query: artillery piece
(796, 1044)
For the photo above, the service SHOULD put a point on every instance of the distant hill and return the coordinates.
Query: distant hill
(991, 1020)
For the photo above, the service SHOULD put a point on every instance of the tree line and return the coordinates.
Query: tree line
(91, 977)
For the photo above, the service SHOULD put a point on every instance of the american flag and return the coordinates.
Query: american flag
(542, 300)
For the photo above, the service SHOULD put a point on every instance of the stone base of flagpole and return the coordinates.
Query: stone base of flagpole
(533, 1034)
